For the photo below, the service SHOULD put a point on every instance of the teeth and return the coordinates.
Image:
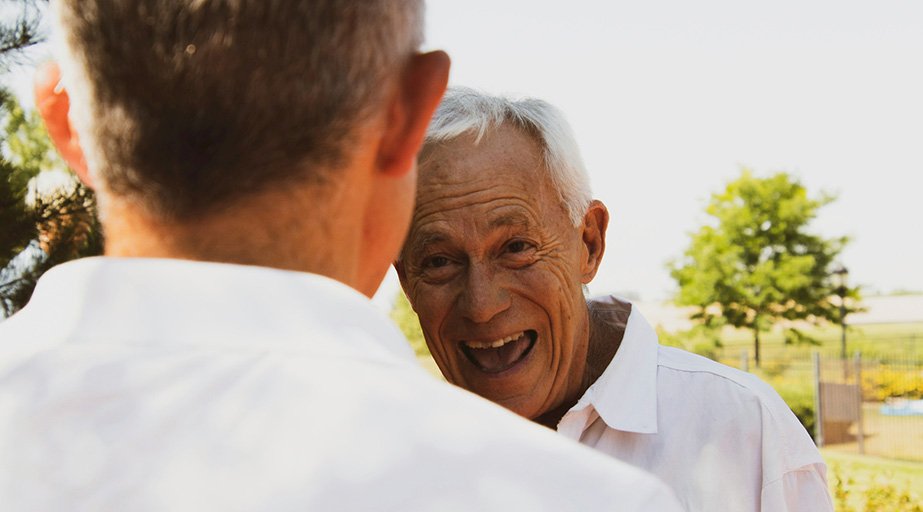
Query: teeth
(494, 344)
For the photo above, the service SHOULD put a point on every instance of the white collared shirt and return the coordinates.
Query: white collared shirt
(721, 438)
(136, 385)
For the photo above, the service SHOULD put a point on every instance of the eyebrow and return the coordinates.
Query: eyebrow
(422, 240)
(429, 237)
(510, 219)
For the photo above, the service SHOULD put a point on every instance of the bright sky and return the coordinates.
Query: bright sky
(669, 98)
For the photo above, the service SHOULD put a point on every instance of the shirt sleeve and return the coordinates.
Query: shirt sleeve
(803, 489)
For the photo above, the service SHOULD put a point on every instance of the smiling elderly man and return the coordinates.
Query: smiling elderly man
(505, 235)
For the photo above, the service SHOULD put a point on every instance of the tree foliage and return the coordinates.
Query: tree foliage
(20, 29)
(39, 230)
(16, 219)
(61, 225)
(757, 262)
(26, 143)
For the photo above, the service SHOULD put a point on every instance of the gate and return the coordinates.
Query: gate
(838, 401)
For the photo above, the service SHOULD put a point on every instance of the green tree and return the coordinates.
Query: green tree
(27, 146)
(19, 30)
(16, 219)
(48, 228)
(61, 225)
(756, 262)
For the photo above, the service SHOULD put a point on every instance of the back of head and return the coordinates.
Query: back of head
(465, 110)
(184, 105)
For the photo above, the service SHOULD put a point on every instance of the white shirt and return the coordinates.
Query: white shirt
(721, 438)
(154, 385)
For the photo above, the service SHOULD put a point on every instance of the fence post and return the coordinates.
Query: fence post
(744, 360)
(818, 412)
(860, 433)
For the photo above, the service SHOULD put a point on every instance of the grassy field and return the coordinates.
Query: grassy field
(888, 341)
(870, 484)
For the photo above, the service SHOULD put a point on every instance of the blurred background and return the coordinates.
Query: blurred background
(786, 136)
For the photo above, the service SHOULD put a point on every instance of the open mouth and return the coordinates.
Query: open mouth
(502, 354)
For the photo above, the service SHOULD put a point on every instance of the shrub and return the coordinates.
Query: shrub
(800, 398)
(886, 381)
(877, 496)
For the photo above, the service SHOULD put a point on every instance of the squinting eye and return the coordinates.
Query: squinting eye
(517, 246)
(438, 269)
(435, 262)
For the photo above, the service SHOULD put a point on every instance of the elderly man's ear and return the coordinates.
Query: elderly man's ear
(53, 105)
(595, 223)
(420, 91)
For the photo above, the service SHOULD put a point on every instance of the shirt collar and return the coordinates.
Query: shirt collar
(625, 395)
(147, 301)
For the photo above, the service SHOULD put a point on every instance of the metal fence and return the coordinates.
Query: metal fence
(860, 404)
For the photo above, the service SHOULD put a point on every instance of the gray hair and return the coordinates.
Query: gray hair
(465, 110)
(184, 105)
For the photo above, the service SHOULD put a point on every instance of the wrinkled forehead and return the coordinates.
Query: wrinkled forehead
(505, 156)
(470, 188)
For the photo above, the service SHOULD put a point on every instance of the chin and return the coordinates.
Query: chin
(523, 400)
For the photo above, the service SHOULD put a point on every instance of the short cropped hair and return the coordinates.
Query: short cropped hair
(465, 110)
(183, 105)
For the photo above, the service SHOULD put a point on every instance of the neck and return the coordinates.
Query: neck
(607, 327)
(290, 230)
(604, 337)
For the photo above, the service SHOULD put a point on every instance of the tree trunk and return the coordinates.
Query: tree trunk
(756, 346)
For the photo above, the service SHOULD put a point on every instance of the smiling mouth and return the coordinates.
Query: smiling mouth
(501, 354)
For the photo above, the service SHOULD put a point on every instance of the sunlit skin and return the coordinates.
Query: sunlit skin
(492, 254)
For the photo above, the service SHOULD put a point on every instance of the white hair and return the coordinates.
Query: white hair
(465, 110)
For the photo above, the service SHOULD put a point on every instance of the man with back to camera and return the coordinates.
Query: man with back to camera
(504, 236)
(255, 166)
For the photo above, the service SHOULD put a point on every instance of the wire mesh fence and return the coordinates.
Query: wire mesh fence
(858, 404)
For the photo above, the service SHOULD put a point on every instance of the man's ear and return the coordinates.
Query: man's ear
(53, 105)
(417, 97)
(595, 223)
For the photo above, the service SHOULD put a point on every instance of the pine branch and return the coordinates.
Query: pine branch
(21, 33)
(68, 228)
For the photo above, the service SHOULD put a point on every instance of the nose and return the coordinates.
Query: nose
(484, 296)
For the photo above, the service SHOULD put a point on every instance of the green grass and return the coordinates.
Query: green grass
(862, 483)
(890, 341)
